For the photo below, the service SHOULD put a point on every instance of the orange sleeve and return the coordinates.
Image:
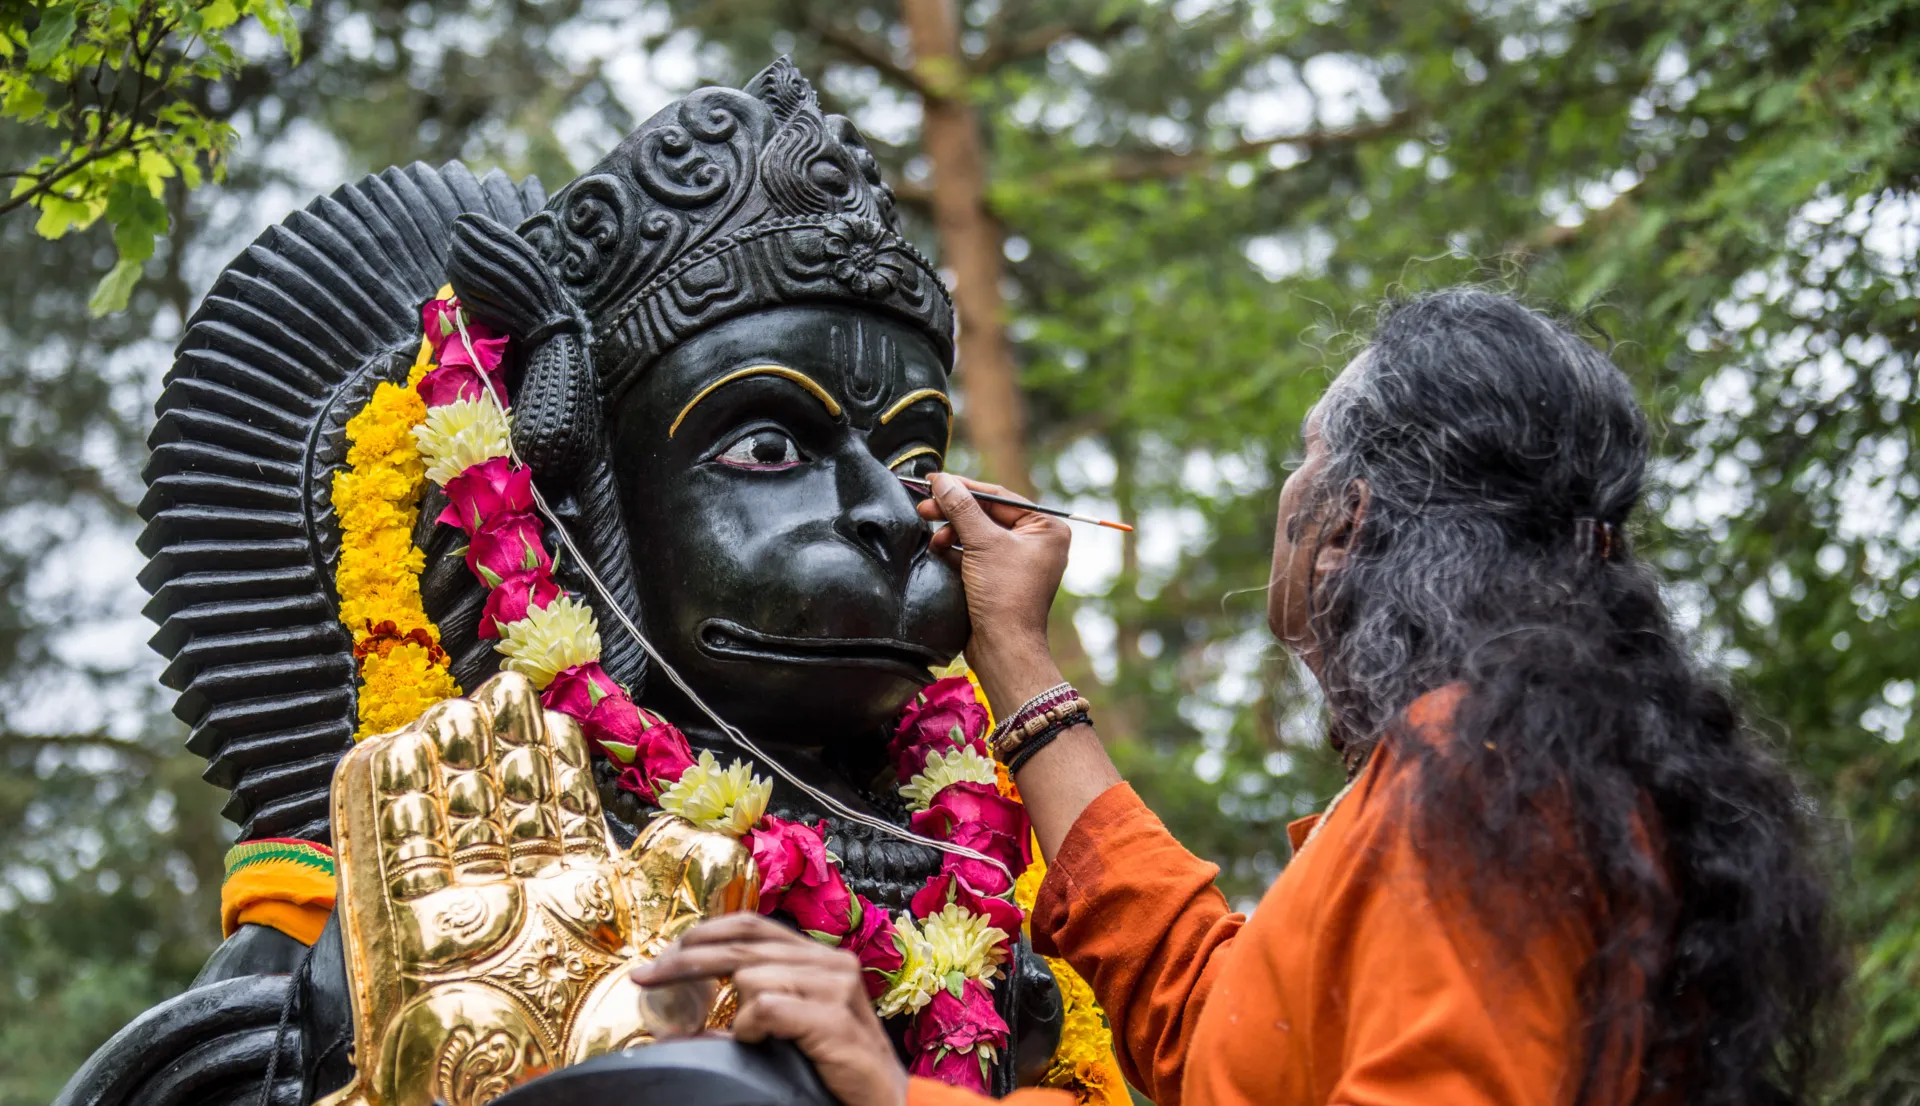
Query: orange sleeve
(1140, 919)
(1440, 1009)
(928, 1092)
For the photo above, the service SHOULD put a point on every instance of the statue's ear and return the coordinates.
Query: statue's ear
(558, 432)
(504, 282)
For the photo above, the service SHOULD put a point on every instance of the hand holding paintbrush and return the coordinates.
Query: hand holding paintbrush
(1007, 499)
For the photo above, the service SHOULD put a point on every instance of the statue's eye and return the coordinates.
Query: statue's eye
(765, 450)
(919, 461)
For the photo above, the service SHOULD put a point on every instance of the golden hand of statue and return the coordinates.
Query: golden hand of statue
(489, 921)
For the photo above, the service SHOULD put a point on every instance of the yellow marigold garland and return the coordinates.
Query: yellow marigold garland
(377, 500)
(1084, 1063)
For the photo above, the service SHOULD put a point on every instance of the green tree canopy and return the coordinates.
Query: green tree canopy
(1189, 208)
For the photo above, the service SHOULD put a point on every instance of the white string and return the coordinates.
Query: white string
(726, 727)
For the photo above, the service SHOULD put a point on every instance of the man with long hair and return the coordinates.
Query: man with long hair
(1562, 871)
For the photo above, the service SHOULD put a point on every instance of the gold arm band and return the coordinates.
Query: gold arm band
(810, 384)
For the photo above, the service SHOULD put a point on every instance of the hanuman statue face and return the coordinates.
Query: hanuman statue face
(786, 575)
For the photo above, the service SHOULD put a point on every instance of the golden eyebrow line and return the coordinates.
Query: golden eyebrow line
(916, 451)
(812, 386)
(912, 398)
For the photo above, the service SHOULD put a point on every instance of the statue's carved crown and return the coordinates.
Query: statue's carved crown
(727, 202)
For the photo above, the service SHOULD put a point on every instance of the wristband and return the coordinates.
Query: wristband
(1042, 713)
(1045, 737)
(1057, 693)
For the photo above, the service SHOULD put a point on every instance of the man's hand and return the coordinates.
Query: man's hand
(1011, 567)
(796, 988)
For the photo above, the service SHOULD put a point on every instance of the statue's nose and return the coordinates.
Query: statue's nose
(881, 520)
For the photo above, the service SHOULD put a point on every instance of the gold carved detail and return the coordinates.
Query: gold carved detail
(475, 1068)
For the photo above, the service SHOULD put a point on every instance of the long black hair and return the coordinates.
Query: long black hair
(1594, 763)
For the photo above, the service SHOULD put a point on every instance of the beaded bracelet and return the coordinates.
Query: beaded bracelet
(1045, 737)
(1032, 708)
(1059, 692)
(1027, 725)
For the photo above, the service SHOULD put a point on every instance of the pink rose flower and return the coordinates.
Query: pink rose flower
(824, 907)
(873, 943)
(955, 1069)
(507, 544)
(1015, 853)
(577, 690)
(945, 715)
(956, 1027)
(654, 752)
(978, 817)
(513, 598)
(437, 323)
(787, 853)
(450, 382)
(949, 887)
(489, 350)
(487, 491)
(961, 1024)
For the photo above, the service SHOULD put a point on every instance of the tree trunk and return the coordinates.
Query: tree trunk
(970, 243)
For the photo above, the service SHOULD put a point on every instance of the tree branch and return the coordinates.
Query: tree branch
(869, 51)
(1133, 168)
(10, 740)
(1554, 236)
(1009, 48)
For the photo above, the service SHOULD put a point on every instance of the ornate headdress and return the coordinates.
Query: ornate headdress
(726, 202)
(723, 203)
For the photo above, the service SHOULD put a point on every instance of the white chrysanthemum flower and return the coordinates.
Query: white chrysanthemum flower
(962, 765)
(461, 434)
(964, 942)
(726, 800)
(914, 984)
(551, 640)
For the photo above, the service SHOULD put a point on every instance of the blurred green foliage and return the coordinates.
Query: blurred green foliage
(116, 84)
(1199, 202)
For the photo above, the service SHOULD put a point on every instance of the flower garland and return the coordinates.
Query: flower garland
(938, 961)
(1084, 1062)
(403, 670)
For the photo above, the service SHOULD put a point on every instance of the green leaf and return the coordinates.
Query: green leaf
(51, 36)
(490, 576)
(219, 15)
(21, 99)
(112, 292)
(956, 984)
(822, 937)
(594, 694)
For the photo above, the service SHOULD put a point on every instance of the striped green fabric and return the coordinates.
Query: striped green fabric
(248, 854)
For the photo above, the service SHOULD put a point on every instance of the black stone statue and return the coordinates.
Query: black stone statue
(750, 523)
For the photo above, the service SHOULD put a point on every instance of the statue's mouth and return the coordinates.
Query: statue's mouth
(729, 640)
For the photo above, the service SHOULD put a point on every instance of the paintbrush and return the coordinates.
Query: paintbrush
(926, 489)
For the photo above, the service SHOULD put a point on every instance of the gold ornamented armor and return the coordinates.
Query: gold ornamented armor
(488, 918)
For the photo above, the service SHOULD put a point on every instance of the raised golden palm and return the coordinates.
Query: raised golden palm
(489, 920)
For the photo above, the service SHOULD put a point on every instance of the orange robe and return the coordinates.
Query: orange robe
(1350, 985)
